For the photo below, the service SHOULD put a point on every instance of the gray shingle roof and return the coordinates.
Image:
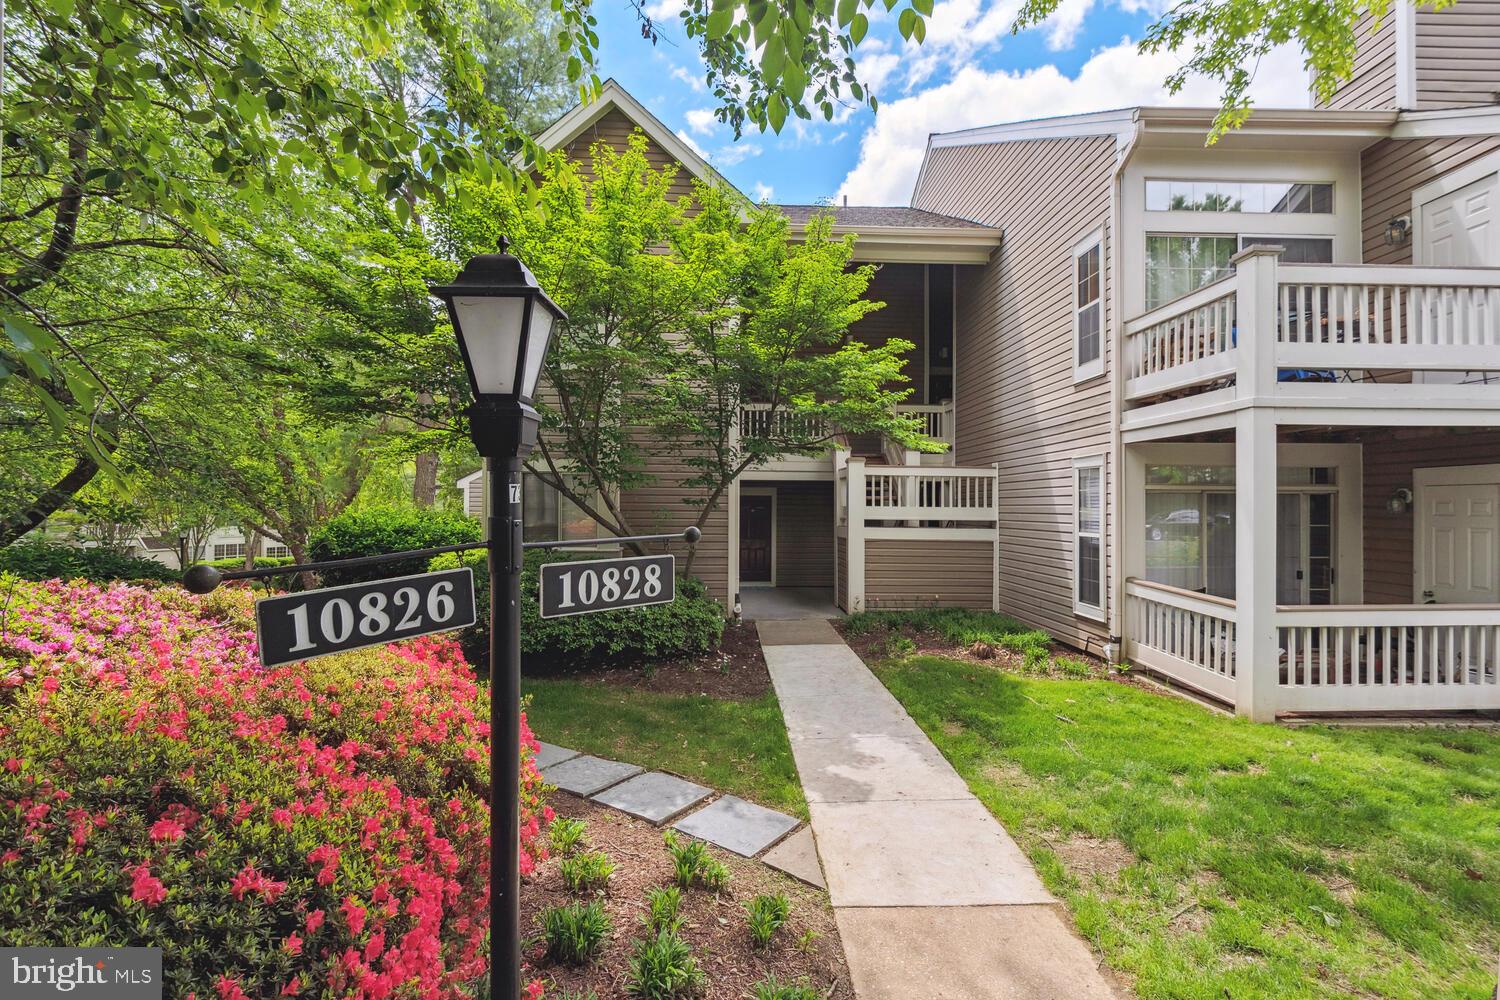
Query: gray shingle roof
(878, 215)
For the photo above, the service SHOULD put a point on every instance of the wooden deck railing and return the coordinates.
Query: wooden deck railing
(1185, 635)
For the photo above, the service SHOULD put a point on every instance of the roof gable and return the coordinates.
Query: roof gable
(613, 97)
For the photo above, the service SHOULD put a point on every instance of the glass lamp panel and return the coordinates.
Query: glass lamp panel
(536, 348)
(491, 330)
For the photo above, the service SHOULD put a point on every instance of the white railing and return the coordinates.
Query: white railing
(1417, 318)
(914, 493)
(760, 420)
(1322, 323)
(1186, 342)
(1187, 636)
(1354, 658)
(937, 419)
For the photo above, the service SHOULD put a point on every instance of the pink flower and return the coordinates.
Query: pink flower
(229, 989)
(145, 887)
(250, 880)
(314, 921)
(374, 946)
(354, 915)
(282, 818)
(293, 944)
(292, 988)
(170, 830)
(533, 990)
(13, 764)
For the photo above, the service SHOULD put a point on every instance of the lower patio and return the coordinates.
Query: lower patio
(1371, 556)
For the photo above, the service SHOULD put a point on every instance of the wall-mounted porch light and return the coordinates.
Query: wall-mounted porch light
(1400, 501)
(1397, 231)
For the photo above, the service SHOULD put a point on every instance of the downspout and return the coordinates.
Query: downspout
(1115, 652)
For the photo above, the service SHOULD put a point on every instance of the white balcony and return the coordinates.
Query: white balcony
(759, 419)
(1318, 336)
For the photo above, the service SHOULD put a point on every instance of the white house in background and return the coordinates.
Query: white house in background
(224, 542)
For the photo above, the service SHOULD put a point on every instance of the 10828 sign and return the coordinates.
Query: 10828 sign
(578, 588)
(313, 623)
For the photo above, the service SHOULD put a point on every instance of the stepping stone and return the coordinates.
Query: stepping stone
(737, 825)
(653, 796)
(550, 753)
(797, 855)
(585, 775)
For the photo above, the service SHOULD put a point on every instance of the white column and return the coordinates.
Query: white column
(1255, 320)
(855, 539)
(1132, 555)
(1256, 649)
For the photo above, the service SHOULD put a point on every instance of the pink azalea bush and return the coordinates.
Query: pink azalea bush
(318, 829)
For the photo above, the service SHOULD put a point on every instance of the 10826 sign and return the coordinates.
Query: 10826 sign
(578, 588)
(294, 627)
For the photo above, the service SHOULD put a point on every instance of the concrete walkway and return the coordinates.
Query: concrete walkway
(932, 897)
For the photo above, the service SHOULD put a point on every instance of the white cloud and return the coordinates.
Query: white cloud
(1119, 76)
(691, 144)
(1065, 23)
(701, 121)
(693, 81)
(664, 11)
(956, 29)
(734, 153)
(762, 192)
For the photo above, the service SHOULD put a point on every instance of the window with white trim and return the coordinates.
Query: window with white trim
(1088, 536)
(229, 550)
(1088, 308)
(273, 550)
(552, 517)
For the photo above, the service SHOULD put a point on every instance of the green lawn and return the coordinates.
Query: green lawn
(1262, 862)
(732, 746)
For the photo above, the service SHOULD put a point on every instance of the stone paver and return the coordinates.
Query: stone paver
(653, 796)
(796, 632)
(934, 900)
(586, 776)
(550, 753)
(736, 825)
(797, 855)
(967, 953)
(928, 853)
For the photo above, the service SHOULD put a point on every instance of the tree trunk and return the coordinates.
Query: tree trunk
(424, 487)
(252, 539)
(49, 501)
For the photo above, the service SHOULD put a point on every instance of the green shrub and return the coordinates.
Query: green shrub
(693, 864)
(567, 835)
(378, 530)
(692, 625)
(899, 646)
(575, 932)
(663, 968)
(1071, 666)
(772, 988)
(766, 915)
(37, 560)
(663, 908)
(960, 626)
(261, 562)
(587, 872)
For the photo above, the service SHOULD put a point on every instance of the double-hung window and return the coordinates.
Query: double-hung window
(1088, 307)
(1088, 537)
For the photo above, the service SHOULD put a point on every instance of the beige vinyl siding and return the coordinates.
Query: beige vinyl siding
(804, 535)
(1017, 404)
(1373, 82)
(614, 128)
(1456, 53)
(659, 508)
(923, 573)
(1392, 169)
(902, 287)
(841, 588)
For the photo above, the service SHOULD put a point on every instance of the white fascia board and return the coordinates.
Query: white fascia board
(917, 244)
(1449, 122)
(1119, 123)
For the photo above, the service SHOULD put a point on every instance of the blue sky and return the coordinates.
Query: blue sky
(970, 71)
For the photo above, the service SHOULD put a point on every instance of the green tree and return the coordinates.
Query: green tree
(680, 311)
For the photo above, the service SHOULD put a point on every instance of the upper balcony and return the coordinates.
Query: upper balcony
(1329, 337)
(937, 421)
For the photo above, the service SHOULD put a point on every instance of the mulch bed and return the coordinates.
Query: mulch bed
(715, 924)
(737, 672)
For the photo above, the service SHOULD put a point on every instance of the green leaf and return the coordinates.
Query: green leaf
(907, 22)
(846, 11)
(776, 112)
(772, 61)
(719, 22)
(858, 27)
(923, 7)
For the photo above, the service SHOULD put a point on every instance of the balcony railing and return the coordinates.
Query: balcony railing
(1318, 323)
(759, 420)
(907, 494)
(1329, 658)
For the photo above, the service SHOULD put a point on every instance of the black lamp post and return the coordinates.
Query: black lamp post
(503, 321)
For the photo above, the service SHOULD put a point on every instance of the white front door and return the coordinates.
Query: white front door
(1460, 528)
(1459, 228)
